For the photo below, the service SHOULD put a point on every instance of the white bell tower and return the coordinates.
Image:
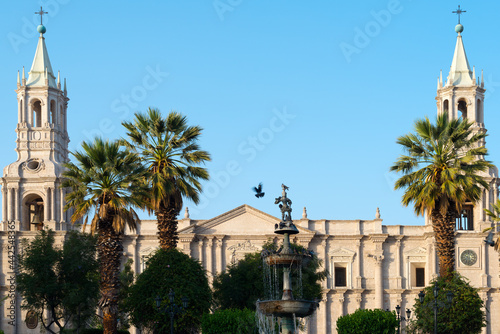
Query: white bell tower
(462, 95)
(32, 197)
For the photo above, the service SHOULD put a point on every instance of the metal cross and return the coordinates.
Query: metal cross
(41, 12)
(458, 12)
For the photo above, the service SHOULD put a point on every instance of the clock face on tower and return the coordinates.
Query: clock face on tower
(468, 257)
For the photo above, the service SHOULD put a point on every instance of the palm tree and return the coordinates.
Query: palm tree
(441, 171)
(495, 216)
(107, 182)
(169, 149)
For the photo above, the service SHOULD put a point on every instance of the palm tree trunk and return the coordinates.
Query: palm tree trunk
(444, 230)
(167, 227)
(110, 250)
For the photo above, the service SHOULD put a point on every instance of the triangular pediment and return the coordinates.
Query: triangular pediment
(243, 220)
(342, 252)
(419, 251)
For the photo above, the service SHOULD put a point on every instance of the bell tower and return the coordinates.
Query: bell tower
(32, 197)
(462, 95)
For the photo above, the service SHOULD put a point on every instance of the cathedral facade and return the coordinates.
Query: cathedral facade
(370, 265)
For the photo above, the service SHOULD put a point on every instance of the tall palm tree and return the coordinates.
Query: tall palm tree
(107, 182)
(169, 149)
(441, 171)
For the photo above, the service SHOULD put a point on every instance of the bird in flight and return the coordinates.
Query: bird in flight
(258, 191)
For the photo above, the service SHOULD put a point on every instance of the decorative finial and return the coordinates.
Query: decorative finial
(18, 80)
(41, 12)
(304, 213)
(459, 28)
(458, 12)
(65, 91)
(41, 28)
(377, 214)
(186, 213)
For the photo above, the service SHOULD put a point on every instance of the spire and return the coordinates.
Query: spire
(18, 80)
(41, 70)
(460, 73)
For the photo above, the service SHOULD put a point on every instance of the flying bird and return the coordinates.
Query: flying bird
(258, 191)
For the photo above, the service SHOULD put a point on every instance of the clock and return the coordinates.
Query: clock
(468, 257)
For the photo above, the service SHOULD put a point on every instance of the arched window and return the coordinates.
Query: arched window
(465, 219)
(37, 113)
(462, 107)
(479, 111)
(446, 107)
(33, 213)
(52, 112)
(61, 117)
(21, 111)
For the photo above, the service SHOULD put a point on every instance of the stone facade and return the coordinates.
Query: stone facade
(370, 265)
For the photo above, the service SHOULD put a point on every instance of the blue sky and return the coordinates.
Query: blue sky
(310, 94)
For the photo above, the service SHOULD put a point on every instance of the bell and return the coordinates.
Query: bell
(36, 220)
(489, 239)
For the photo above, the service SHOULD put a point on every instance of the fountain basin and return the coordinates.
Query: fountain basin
(287, 308)
(283, 259)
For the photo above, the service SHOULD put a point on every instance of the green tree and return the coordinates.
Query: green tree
(463, 315)
(367, 322)
(170, 151)
(169, 269)
(107, 182)
(242, 283)
(441, 171)
(230, 321)
(63, 281)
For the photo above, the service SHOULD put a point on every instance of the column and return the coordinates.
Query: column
(210, 257)
(359, 278)
(322, 255)
(4, 203)
(61, 208)
(17, 207)
(200, 253)
(379, 281)
(218, 254)
(53, 204)
(398, 262)
(10, 204)
(46, 204)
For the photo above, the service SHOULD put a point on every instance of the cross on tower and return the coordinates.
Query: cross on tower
(458, 12)
(41, 12)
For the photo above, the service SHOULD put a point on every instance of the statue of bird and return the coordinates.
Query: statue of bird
(258, 191)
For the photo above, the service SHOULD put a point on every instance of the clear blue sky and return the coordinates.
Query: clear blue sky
(310, 94)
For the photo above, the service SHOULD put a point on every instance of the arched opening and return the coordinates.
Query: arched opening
(479, 111)
(33, 213)
(61, 117)
(52, 112)
(465, 219)
(37, 113)
(21, 111)
(446, 105)
(462, 107)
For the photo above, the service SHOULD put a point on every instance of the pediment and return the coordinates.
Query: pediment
(342, 252)
(416, 252)
(243, 220)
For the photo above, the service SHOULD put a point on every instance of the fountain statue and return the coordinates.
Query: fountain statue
(284, 261)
